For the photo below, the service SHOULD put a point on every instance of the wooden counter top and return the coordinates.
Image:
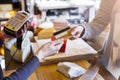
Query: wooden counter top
(49, 72)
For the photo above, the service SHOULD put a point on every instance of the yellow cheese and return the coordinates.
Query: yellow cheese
(12, 13)
(46, 33)
(2, 51)
(45, 25)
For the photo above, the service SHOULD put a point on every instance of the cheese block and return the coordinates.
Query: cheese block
(46, 33)
(42, 26)
(2, 50)
(37, 30)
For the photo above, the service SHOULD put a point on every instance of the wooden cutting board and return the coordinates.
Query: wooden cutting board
(75, 49)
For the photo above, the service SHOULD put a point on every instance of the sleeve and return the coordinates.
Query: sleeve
(25, 71)
(101, 20)
(1, 39)
(1, 73)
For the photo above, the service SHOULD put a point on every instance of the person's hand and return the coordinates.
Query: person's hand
(76, 31)
(49, 48)
(19, 34)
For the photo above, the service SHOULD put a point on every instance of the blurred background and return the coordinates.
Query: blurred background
(73, 11)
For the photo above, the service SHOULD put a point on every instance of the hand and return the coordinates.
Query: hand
(76, 31)
(49, 48)
(19, 33)
(22, 31)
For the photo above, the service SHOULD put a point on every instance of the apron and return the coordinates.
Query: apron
(111, 51)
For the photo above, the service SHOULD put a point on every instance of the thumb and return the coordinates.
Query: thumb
(58, 43)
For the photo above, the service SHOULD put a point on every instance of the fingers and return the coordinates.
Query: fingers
(28, 24)
(73, 31)
(53, 45)
(24, 28)
(57, 42)
(76, 31)
(49, 49)
(77, 34)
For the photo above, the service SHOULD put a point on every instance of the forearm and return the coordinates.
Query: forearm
(25, 71)
(101, 20)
